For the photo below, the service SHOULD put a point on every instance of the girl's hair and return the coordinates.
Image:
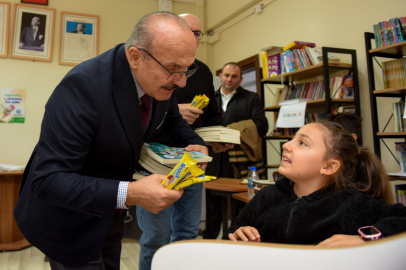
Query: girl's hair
(360, 168)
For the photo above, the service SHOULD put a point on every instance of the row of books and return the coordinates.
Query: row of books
(219, 134)
(398, 113)
(390, 32)
(271, 57)
(342, 87)
(394, 73)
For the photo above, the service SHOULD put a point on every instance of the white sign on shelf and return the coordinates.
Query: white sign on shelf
(291, 115)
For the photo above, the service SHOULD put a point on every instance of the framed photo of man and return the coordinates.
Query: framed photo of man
(79, 38)
(4, 19)
(32, 34)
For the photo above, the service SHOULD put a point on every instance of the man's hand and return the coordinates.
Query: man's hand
(341, 240)
(219, 147)
(198, 148)
(149, 193)
(246, 234)
(190, 114)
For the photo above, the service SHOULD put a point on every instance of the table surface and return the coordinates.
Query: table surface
(242, 196)
(226, 184)
(11, 173)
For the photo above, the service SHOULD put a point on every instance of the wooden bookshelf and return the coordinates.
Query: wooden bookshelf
(395, 91)
(312, 103)
(306, 73)
(391, 134)
(397, 48)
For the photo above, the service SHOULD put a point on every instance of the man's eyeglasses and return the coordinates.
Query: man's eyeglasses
(189, 71)
(198, 34)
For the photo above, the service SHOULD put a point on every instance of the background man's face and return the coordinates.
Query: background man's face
(230, 78)
(35, 21)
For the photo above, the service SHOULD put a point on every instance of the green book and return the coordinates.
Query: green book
(171, 155)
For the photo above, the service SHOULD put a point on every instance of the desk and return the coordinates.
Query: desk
(10, 236)
(223, 187)
(242, 196)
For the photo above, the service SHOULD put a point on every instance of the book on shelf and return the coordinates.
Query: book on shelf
(269, 56)
(171, 155)
(401, 154)
(219, 134)
(298, 44)
(398, 115)
(400, 193)
(394, 73)
(280, 95)
(274, 65)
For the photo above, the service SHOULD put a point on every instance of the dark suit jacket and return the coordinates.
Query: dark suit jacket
(243, 105)
(91, 138)
(27, 37)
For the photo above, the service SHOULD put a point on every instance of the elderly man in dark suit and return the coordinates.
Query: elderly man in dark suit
(77, 184)
(32, 35)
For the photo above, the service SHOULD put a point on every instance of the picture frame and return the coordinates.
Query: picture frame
(4, 26)
(79, 38)
(36, 2)
(28, 42)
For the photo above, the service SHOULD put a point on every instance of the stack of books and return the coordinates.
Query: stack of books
(161, 159)
(398, 112)
(390, 32)
(394, 73)
(219, 134)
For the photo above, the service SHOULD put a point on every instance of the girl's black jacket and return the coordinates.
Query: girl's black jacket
(282, 217)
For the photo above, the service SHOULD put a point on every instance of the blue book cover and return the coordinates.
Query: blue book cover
(171, 155)
(289, 61)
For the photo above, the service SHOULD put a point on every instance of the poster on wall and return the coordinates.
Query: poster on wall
(12, 105)
(79, 36)
(32, 33)
(4, 18)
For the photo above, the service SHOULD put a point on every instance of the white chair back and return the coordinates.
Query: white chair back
(388, 253)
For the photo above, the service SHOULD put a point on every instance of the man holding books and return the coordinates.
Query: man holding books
(184, 215)
(77, 185)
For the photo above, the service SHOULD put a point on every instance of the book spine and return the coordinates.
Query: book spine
(289, 61)
(264, 62)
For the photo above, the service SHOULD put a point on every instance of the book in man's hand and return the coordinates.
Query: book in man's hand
(219, 134)
(170, 155)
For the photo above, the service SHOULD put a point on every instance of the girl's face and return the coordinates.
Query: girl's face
(303, 156)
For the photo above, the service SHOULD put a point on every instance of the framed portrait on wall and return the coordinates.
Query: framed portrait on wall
(4, 19)
(32, 33)
(79, 38)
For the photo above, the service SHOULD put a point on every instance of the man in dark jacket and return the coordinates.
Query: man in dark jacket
(235, 104)
(77, 184)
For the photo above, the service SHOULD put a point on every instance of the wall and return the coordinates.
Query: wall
(331, 23)
(117, 19)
